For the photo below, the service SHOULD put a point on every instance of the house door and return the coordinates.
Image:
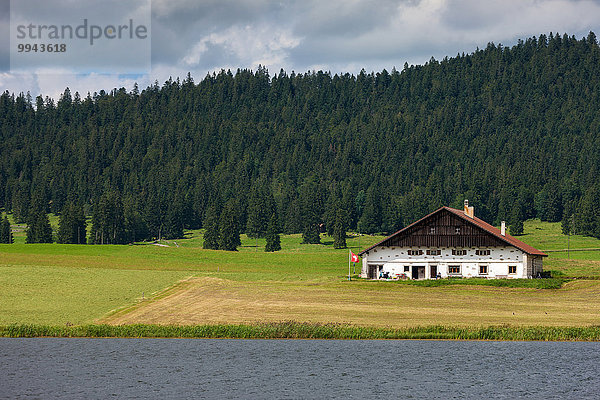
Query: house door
(372, 271)
(418, 272)
(433, 271)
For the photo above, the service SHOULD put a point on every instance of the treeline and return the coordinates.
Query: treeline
(513, 129)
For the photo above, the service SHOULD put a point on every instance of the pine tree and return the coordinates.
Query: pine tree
(587, 217)
(5, 231)
(339, 230)
(256, 225)
(273, 239)
(229, 234)
(38, 228)
(516, 228)
(211, 232)
(173, 227)
(370, 221)
(108, 220)
(72, 225)
(135, 227)
(310, 209)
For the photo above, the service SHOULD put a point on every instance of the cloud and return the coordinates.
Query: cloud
(340, 36)
(245, 46)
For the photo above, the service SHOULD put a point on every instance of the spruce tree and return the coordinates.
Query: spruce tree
(310, 210)
(72, 225)
(516, 227)
(273, 239)
(108, 221)
(339, 229)
(370, 221)
(5, 232)
(135, 227)
(38, 228)
(587, 217)
(257, 220)
(228, 228)
(173, 227)
(211, 232)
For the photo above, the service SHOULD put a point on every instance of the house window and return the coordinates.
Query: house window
(432, 230)
(512, 269)
(453, 269)
(407, 268)
(415, 252)
(434, 252)
(482, 252)
(459, 252)
(483, 270)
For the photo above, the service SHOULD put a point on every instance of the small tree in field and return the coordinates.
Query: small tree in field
(211, 232)
(273, 240)
(516, 228)
(228, 228)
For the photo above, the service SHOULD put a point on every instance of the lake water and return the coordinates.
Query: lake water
(256, 369)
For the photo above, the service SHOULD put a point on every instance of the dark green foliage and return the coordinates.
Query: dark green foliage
(135, 226)
(5, 231)
(566, 224)
(38, 227)
(212, 233)
(339, 230)
(292, 217)
(229, 234)
(371, 219)
(272, 236)
(516, 227)
(261, 206)
(548, 203)
(173, 226)
(587, 216)
(502, 127)
(21, 202)
(311, 208)
(515, 221)
(72, 225)
(108, 220)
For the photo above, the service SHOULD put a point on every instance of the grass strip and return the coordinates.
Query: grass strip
(296, 330)
(547, 283)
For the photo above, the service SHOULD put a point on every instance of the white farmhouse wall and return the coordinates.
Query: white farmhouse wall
(394, 260)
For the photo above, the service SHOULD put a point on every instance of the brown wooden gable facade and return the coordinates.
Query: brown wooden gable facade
(443, 229)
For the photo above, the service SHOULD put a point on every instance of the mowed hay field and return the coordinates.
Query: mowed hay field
(184, 284)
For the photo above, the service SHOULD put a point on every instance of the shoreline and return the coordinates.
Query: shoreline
(296, 330)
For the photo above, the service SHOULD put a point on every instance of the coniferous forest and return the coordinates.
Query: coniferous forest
(516, 130)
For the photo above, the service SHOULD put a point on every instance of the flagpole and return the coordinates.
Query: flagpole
(349, 258)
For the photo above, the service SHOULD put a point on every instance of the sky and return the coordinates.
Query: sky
(201, 36)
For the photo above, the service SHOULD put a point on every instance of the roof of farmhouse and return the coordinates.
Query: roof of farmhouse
(480, 225)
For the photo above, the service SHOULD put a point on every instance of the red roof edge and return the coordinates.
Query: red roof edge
(512, 241)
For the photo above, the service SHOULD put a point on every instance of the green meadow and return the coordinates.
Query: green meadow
(182, 284)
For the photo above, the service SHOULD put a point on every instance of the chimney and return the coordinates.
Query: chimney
(503, 228)
(469, 211)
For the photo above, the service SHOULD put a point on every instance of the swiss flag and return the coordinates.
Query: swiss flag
(353, 257)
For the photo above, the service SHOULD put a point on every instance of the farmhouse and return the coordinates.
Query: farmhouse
(451, 243)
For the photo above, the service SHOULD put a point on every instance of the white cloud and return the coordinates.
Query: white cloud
(337, 35)
(247, 45)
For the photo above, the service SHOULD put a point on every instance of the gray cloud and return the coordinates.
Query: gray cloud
(336, 35)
